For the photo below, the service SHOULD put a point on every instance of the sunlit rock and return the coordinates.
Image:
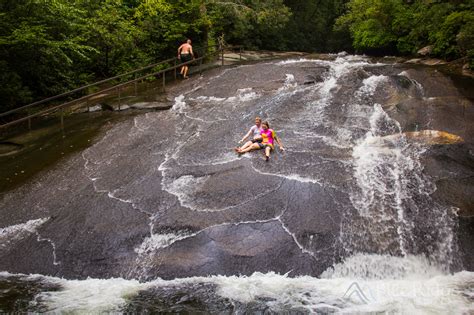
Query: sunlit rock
(467, 71)
(433, 137)
(428, 61)
(425, 51)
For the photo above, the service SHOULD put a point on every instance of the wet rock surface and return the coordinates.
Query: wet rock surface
(194, 298)
(163, 194)
(17, 292)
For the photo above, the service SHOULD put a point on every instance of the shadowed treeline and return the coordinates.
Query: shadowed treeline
(48, 47)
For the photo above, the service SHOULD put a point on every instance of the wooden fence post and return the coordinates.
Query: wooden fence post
(136, 89)
(164, 80)
(119, 98)
(62, 118)
(175, 74)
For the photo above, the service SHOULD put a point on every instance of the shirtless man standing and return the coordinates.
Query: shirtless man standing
(185, 54)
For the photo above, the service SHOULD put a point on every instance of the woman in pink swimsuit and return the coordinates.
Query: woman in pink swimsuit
(268, 138)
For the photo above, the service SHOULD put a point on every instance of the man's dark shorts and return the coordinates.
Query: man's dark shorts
(186, 57)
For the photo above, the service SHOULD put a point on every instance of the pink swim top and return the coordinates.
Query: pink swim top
(267, 136)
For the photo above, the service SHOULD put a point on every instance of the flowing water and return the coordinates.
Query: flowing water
(160, 215)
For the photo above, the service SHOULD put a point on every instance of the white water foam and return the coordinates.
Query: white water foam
(157, 241)
(88, 296)
(209, 99)
(247, 94)
(185, 187)
(293, 61)
(437, 295)
(295, 177)
(389, 176)
(179, 105)
(290, 83)
(418, 85)
(341, 137)
(371, 155)
(243, 95)
(379, 267)
(224, 158)
(370, 84)
(385, 172)
(14, 233)
(343, 289)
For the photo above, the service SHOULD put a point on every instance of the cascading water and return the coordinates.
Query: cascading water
(344, 220)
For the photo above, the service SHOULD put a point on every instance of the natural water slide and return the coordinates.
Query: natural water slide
(369, 208)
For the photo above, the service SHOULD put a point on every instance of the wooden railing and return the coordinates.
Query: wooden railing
(60, 103)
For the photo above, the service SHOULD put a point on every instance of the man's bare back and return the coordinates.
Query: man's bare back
(186, 48)
(185, 54)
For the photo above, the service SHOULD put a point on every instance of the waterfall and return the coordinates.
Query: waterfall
(166, 217)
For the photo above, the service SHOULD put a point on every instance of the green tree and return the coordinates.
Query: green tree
(370, 24)
(403, 27)
(254, 23)
(40, 41)
(455, 37)
(111, 31)
(311, 26)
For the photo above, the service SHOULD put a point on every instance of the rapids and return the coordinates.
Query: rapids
(356, 215)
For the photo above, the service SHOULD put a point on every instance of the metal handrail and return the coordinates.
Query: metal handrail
(82, 88)
(118, 86)
(93, 84)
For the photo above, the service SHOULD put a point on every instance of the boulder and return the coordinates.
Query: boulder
(433, 62)
(425, 51)
(152, 105)
(426, 61)
(8, 148)
(414, 60)
(312, 79)
(429, 137)
(433, 137)
(466, 70)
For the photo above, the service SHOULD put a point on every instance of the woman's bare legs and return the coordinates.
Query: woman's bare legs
(245, 146)
(267, 152)
(254, 146)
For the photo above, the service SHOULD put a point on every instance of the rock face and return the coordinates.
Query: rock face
(164, 195)
(467, 71)
(427, 61)
(434, 137)
(8, 148)
(425, 51)
(152, 105)
(428, 137)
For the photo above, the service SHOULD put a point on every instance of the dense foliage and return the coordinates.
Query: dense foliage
(50, 46)
(403, 26)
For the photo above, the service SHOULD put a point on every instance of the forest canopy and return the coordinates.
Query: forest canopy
(48, 47)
